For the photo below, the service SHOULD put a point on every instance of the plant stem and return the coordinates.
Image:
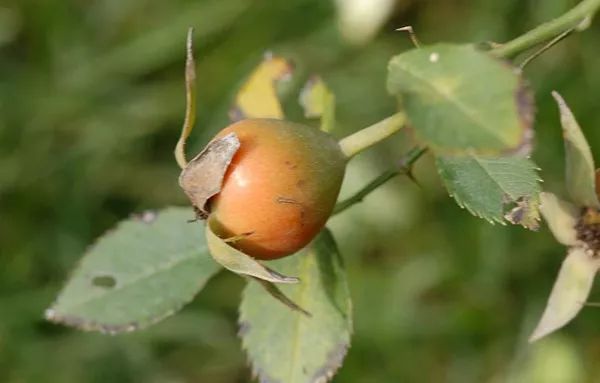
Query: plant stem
(369, 136)
(546, 31)
(411, 157)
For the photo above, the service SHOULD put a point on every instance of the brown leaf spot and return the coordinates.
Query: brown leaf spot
(525, 213)
(526, 110)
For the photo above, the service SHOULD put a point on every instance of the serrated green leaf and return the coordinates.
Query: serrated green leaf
(286, 346)
(580, 169)
(459, 99)
(145, 269)
(238, 262)
(570, 292)
(488, 186)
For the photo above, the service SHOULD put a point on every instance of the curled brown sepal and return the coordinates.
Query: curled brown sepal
(203, 176)
(190, 101)
(238, 262)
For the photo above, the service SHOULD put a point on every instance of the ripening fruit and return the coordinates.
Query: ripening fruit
(280, 187)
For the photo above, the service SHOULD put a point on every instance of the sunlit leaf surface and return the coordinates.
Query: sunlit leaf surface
(459, 99)
(145, 269)
(287, 346)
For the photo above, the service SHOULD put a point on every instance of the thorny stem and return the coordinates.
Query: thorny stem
(411, 157)
(546, 31)
(369, 136)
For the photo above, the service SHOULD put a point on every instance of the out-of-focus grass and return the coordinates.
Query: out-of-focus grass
(91, 100)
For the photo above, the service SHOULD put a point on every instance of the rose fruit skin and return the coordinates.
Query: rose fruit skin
(280, 187)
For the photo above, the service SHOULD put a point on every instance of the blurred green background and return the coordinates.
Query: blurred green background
(91, 102)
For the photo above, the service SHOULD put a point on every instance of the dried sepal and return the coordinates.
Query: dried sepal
(561, 217)
(569, 293)
(190, 101)
(203, 176)
(238, 262)
(580, 169)
(276, 293)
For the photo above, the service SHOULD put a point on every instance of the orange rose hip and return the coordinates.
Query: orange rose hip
(280, 187)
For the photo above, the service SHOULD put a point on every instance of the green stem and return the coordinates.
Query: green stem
(411, 157)
(369, 136)
(546, 31)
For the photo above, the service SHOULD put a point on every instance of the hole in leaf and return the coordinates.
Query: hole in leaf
(106, 281)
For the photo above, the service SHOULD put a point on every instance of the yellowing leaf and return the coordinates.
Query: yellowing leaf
(569, 293)
(258, 96)
(318, 101)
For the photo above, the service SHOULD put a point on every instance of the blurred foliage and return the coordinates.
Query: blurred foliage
(91, 102)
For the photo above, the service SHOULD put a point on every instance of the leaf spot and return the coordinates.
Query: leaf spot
(105, 281)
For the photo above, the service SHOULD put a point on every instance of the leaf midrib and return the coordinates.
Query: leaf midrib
(462, 107)
(298, 317)
(514, 196)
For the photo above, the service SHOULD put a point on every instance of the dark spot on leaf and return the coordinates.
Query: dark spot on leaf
(525, 213)
(106, 281)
